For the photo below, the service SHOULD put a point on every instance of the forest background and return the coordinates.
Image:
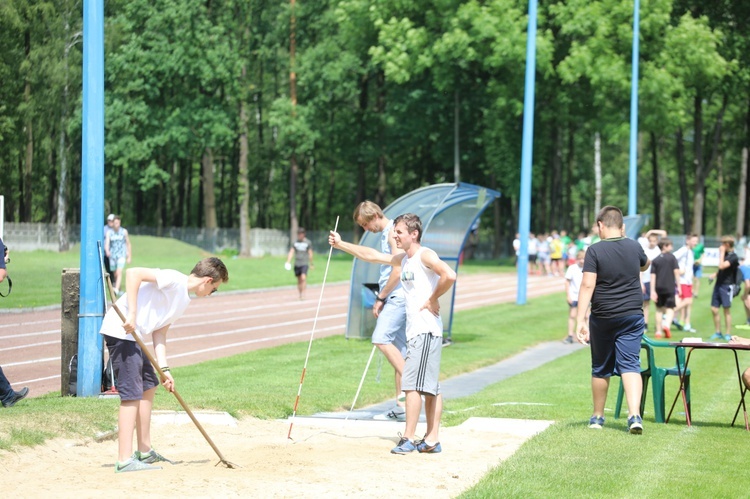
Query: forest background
(273, 114)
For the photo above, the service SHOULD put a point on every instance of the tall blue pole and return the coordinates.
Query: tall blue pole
(524, 212)
(89, 380)
(633, 173)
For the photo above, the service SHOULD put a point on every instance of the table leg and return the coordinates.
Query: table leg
(743, 390)
(682, 375)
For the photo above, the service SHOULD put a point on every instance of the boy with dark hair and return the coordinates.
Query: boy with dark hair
(425, 278)
(665, 274)
(302, 253)
(154, 299)
(612, 285)
(724, 288)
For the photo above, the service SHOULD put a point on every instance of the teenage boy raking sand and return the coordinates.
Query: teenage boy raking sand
(153, 300)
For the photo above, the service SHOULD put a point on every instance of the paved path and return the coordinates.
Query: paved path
(473, 382)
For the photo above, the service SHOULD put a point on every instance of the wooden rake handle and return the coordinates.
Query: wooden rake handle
(162, 377)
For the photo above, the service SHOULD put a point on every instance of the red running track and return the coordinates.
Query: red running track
(230, 323)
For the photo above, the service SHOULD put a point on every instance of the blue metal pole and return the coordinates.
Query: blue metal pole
(91, 307)
(524, 211)
(633, 173)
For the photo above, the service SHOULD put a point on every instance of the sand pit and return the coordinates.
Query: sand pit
(325, 458)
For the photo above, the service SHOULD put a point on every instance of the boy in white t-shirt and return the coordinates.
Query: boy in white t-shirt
(573, 278)
(685, 260)
(652, 251)
(154, 299)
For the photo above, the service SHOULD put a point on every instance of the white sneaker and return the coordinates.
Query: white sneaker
(395, 414)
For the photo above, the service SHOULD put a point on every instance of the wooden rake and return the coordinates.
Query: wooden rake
(162, 377)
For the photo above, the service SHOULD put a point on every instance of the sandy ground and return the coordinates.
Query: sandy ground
(324, 458)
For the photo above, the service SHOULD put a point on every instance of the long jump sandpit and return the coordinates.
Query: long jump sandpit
(325, 457)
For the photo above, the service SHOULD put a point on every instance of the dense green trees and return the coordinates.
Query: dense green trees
(201, 129)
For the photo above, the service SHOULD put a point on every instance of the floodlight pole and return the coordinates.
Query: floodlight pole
(633, 173)
(524, 211)
(91, 309)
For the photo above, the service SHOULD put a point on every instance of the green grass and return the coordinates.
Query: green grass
(37, 274)
(566, 460)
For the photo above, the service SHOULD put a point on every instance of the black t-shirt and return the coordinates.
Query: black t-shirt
(2, 254)
(663, 267)
(617, 264)
(726, 276)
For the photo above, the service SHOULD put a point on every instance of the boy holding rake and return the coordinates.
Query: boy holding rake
(153, 300)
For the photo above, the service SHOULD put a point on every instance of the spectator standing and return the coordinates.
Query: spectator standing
(665, 274)
(652, 251)
(542, 257)
(390, 306)
(611, 284)
(8, 396)
(745, 269)
(573, 277)
(118, 250)
(686, 260)
(107, 228)
(724, 288)
(697, 264)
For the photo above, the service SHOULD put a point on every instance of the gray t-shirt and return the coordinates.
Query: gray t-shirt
(301, 252)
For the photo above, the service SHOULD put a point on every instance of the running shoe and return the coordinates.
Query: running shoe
(716, 336)
(152, 457)
(690, 329)
(19, 395)
(568, 340)
(727, 337)
(425, 448)
(596, 422)
(667, 333)
(396, 414)
(405, 446)
(133, 464)
(635, 425)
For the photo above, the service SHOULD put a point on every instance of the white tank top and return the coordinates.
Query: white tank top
(419, 282)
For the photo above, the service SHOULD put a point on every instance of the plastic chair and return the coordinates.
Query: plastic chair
(657, 375)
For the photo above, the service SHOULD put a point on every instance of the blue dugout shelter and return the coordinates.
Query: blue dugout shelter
(448, 213)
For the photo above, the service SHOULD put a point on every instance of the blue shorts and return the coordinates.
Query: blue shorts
(391, 325)
(745, 269)
(616, 345)
(722, 296)
(133, 372)
(573, 304)
(647, 293)
(697, 270)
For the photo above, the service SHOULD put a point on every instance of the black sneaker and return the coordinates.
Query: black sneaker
(16, 397)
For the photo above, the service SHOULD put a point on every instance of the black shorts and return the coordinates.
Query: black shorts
(301, 270)
(665, 300)
(134, 373)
